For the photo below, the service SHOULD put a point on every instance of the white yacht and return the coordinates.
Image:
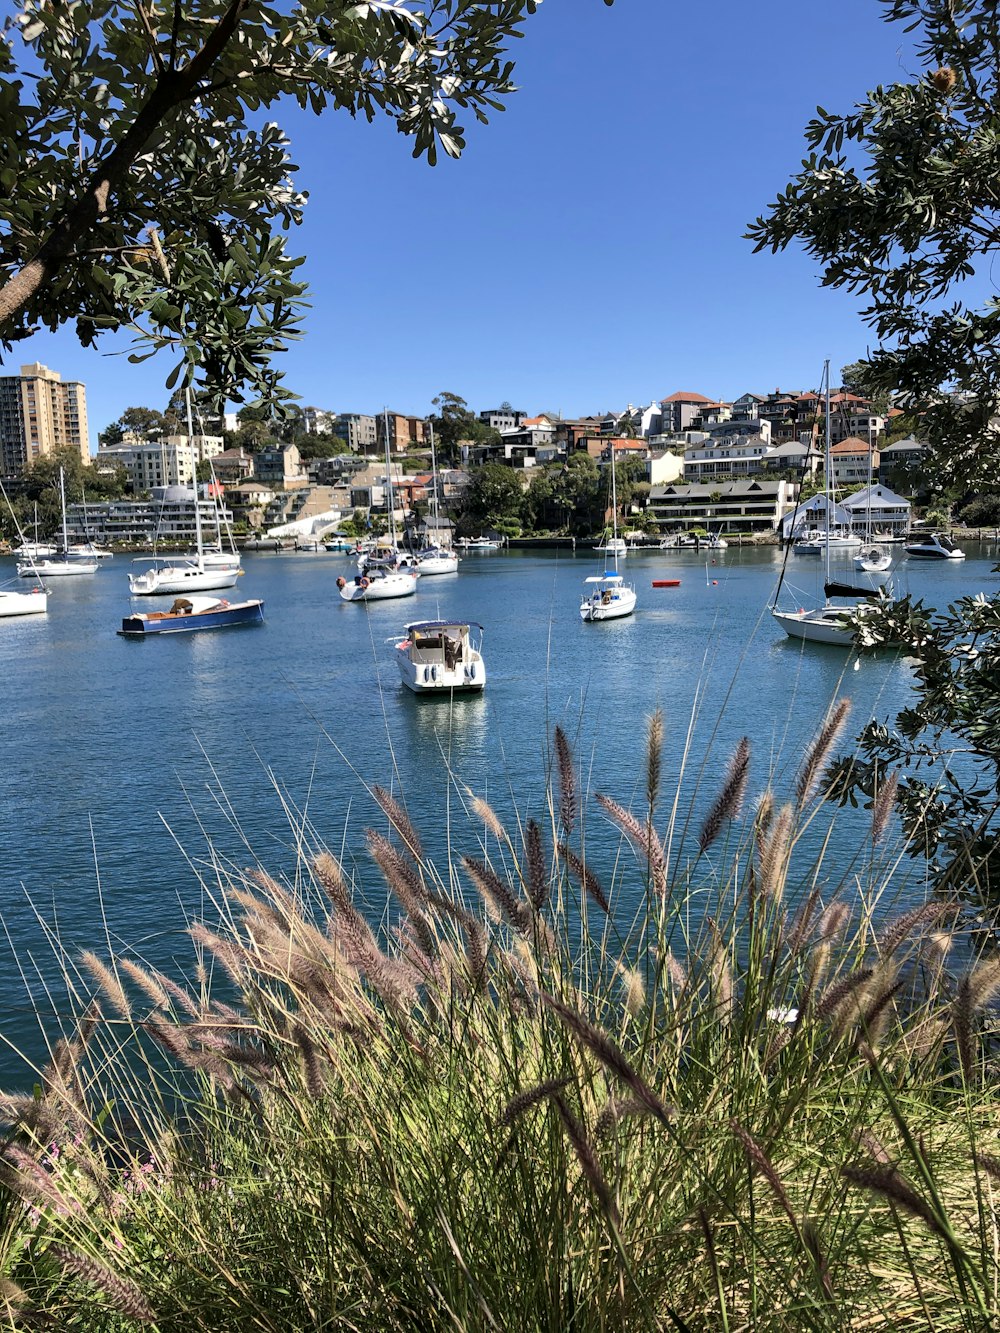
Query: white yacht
(934, 545)
(441, 657)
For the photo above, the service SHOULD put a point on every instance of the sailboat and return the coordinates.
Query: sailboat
(21, 603)
(827, 623)
(873, 559)
(32, 550)
(436, 559)
(376, 582)
(53, 566)
(609, 597)
(187, 614)
(184, 573)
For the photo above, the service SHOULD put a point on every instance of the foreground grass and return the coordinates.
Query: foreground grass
(513, 1113)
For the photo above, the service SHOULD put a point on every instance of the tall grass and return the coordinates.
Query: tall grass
(762, 1103)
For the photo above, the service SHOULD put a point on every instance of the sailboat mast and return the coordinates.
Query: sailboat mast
(829, 470)
(194, 474)
(614, 507)
(62, 498)
(434, 484)
(388, 479)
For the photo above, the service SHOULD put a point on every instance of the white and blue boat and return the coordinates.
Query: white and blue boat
(188, 614)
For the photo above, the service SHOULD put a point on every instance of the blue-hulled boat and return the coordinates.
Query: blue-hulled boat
(188, 614)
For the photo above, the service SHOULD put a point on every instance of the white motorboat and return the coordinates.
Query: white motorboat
(441, 657)
(477, 544)
(825, 624)
(88, 551)
(378, 585)
(52, 567)
(35, 550)
(935, 546)
(711, 542)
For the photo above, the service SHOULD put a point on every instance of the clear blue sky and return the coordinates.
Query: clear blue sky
(586, 251)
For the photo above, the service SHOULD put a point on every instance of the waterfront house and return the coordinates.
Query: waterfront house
(731, 449)
(753, 505)
(903, 463)
(877, 509)
(280, 466)
(816, 514)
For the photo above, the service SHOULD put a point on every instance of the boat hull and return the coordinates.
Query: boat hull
(181, 579)
(24, 603)
(363, 589)
(827, 625)
(219, 615)
(438, 564)
(621, 603)
(56, 569)
(439, 657)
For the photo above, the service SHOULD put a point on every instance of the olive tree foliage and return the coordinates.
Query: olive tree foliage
(897, 201)
(142, 189)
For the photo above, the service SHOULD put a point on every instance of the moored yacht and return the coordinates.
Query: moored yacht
(441, 657)
(934, 545)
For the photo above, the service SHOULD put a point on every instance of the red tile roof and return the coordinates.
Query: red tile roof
(852, 445)
(686, 398)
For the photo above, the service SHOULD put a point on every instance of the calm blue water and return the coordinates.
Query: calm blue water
(117, 757)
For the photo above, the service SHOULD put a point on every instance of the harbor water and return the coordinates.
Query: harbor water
(119, 759)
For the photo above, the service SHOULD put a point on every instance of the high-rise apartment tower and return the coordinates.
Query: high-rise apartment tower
(39, 413)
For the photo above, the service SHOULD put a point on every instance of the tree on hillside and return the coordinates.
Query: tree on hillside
(454, 422)
(493, 499)
(897, 201)
(140, 189)
(144, 422)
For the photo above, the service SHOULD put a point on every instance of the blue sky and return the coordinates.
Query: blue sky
(586, 251)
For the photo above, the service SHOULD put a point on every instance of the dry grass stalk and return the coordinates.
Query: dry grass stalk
(20, 1170)
(609, 1055)
(644, 838)
(400, 821)
(402, 878)
(974, 990)
(327, 870)
(588, 881)
(587, 1158)
(832, 921)
(146, 983)
(901, 927)
(763, 816)
(818, 753)
(568, 805)
(108, 982)
(310, 1060)
(488, 815)
(774, 852)
(675, 971)
(616, 1110)
(125, 1296)
(654, 758)
(841, 989)
(882, 806)
(524, 1101)
(494, 890)
(635, 988)
(891, 1185)
(722, 976)
(802, 923)
(537, 878)
(729, 802)
(763, 1164)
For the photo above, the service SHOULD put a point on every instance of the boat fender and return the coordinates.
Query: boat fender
(424, 674)
(363, 583)
(223, 604)
(434, 673)
(472, 671)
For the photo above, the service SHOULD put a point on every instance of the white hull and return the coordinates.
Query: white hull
(616, 546)
(440, 658)
(55, 569)
(181, 579)
(88, 551)
(873, 560)
(935, 546)
(817, 545)
(24, 603)
(830, 624)
(34, 551)
(608, 604)
(378, 588)
(210, 559)
(438, 564)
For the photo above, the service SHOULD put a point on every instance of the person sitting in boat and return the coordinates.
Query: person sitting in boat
(181, 607)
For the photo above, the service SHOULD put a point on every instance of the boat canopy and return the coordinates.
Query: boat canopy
(606, 577)
(441, 624)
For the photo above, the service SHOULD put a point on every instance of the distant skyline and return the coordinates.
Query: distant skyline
(586, 251)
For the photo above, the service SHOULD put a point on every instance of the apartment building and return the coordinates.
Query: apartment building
(40, 412)
(171, 461)
(359, 432)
